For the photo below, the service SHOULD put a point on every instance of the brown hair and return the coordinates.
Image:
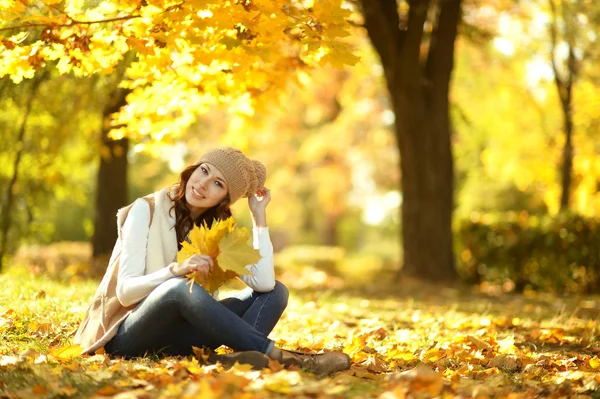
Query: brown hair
(183, 219)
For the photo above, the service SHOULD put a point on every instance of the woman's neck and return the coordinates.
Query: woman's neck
(195, 213)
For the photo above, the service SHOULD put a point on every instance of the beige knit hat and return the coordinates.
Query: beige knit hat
(243, 175)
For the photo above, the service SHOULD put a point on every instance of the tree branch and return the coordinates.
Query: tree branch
(560, 84)
(417, 15)
(383, 26)
(440, 59)
(73, 22)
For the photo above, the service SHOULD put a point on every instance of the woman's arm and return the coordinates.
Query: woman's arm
(262, 278)
(132, 284)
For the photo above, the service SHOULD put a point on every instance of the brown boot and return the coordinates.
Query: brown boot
(256, 359)
(322, 363)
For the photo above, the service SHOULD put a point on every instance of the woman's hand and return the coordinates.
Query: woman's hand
(258, 203)
(195, 263)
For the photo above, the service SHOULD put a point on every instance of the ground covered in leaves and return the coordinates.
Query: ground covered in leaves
(406, 340)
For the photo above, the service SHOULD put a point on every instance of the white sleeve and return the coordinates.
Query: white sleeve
(132, 284)
(262, 277)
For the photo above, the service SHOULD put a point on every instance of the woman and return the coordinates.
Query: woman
(143, 304)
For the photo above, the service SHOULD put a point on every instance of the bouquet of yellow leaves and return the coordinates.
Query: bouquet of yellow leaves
(227, 244)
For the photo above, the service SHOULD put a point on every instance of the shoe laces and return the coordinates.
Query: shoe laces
(310, 358)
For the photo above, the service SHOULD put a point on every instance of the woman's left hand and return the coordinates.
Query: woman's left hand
(257, 203)
(259, 200)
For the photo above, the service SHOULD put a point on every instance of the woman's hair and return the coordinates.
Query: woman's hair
(183, 219)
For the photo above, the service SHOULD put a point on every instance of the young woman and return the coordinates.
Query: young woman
(143, 304)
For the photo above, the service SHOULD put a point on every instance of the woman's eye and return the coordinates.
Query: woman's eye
(218, 183)
(204, 169)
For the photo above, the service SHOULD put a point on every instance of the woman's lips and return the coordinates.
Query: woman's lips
(197, 194)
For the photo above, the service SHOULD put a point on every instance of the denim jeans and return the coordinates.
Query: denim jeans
(171, 319)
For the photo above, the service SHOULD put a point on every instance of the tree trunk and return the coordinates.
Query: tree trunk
(419, 95)
(564, 87)
(111, 187)
(20, 145)
(567, 163)
(330, 230)
(427, 187)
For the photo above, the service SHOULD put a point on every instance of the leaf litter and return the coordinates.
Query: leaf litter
(406, 343)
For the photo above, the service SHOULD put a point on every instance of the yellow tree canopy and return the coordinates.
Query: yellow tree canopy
(189, 54)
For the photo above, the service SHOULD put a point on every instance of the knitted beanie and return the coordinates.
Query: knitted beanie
(243, 175)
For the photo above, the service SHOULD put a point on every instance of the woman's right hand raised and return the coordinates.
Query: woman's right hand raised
(195, 263)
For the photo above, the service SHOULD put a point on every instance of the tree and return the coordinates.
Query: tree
(8, 202)
(415, 41)
(191, 54)
(42, 163)
(111, 183)
(570, 21)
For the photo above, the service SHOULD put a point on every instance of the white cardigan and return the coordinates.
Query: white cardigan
(147, 251)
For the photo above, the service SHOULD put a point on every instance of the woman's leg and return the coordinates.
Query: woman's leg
(156, 323)
(261, 310)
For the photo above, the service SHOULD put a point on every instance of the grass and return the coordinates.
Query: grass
(405, 338)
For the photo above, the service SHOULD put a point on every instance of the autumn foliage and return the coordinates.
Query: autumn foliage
(189, 55)
(273, 77)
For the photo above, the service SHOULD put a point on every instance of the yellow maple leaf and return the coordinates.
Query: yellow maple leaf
(214, 280)
(66, 353)
(235, 253)
(226, 244)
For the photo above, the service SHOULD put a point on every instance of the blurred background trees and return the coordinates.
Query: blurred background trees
(463, 143)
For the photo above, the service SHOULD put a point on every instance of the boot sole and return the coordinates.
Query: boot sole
(257, 360)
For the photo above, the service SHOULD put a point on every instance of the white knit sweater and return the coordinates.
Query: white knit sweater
(147, 251)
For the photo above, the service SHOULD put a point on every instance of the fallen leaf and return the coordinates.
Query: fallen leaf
(374, 364)
(28, 354)
(8, 312)
(41, 294)
(107, 390)
(505, 362)
(478, 343)
(104, 359)
(66, 353)
(39, 390)
(421, 379)
(282, 382)
(362, 372)
(275, 366)
(62, 390)
(201, 354)
(8, 360)
(507, 345)
(133, 394)
(399, 392)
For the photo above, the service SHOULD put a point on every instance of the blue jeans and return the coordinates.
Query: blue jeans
(171, 319)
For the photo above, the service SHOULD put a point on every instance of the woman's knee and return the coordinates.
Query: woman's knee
(282, 293)
(178, 289)
(171, 286)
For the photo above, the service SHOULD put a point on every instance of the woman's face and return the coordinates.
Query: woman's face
(205, 188)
